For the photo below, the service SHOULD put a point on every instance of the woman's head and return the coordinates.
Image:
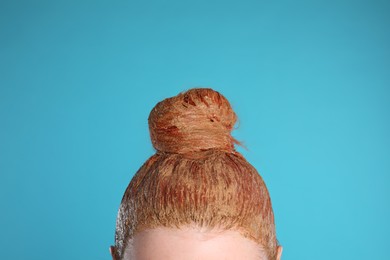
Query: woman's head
(196, 182)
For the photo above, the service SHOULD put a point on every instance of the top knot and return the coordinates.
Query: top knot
(196, 120)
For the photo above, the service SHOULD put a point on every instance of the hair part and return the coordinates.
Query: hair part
(196, 176)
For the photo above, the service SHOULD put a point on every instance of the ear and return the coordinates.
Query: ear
(279, 255)
(113, 253)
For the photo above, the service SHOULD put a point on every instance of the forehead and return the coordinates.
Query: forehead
(192, 243)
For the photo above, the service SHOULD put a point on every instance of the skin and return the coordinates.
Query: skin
(193, 243)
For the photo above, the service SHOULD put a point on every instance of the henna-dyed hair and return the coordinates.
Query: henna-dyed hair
(196, 176)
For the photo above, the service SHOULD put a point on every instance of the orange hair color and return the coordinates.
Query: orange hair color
(196, 176)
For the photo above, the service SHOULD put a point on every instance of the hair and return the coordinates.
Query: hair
(196, 176)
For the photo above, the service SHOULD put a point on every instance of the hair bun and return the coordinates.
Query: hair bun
(198, 119)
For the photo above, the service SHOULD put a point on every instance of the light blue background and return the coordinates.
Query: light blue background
(309, 81)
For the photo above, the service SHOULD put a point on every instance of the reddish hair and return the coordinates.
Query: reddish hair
(196, 176)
